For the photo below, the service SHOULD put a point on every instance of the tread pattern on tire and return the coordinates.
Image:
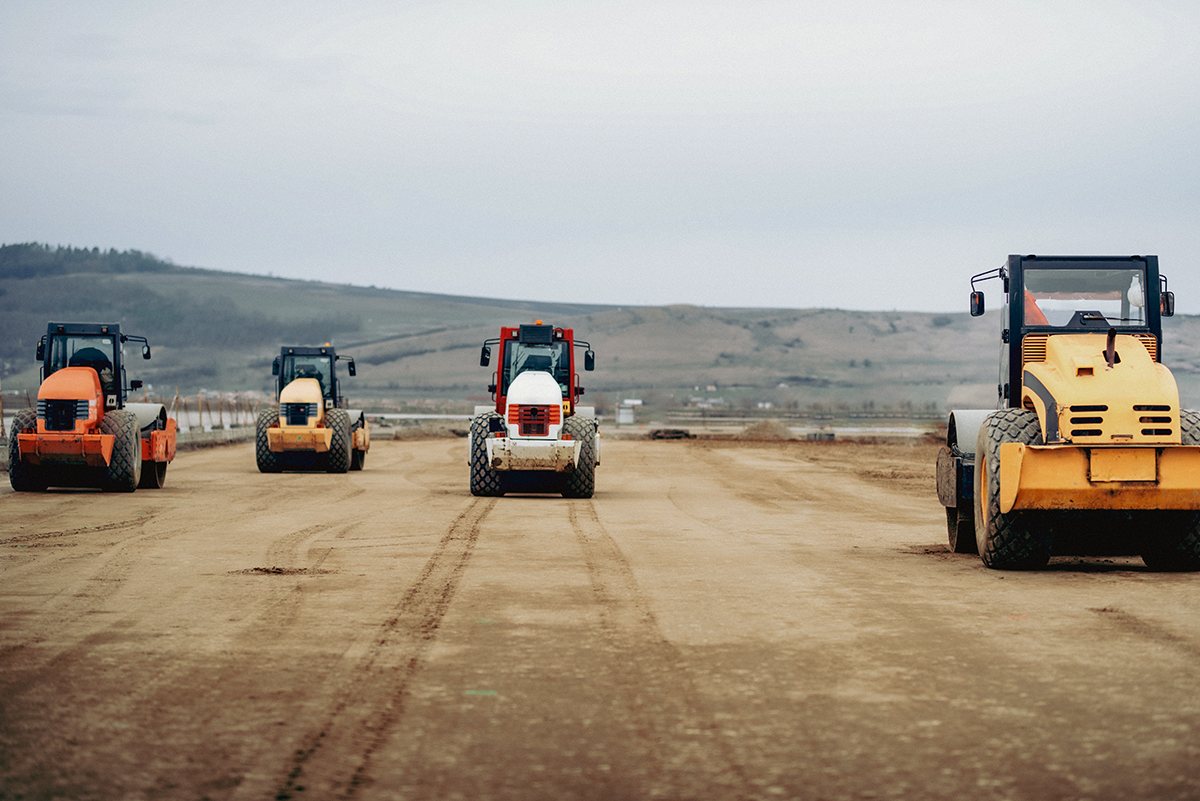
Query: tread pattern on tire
(485, 481)
(338, 458)
(124, 471)
(23, 476)
(1175, 542)
(1019, 540)
(268, 460)
(581, 482)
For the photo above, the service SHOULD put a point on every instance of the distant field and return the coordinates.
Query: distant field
(219, 331)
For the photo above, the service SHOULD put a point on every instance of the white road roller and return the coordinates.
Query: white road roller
(536, 438)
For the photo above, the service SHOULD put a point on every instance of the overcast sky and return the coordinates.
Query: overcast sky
(861, 154)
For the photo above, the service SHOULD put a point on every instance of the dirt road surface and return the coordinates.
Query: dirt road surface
(722, 621)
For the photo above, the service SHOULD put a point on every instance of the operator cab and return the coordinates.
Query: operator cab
(1047, 295)
(311, 362)
(1085, 299)
(537, 349)
(95, 345)
(94, 352)
(305, 365)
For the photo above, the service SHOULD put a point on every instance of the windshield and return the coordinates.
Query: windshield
(551, 358)
(1111, 297)
(301, 366)
(82, 351)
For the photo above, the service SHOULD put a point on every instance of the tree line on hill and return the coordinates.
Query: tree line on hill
(40, 283)
(36, 260)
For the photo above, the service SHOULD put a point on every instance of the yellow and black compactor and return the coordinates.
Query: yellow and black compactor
(1088, 443)
(311, 427)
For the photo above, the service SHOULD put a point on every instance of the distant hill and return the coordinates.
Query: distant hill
(220, 330)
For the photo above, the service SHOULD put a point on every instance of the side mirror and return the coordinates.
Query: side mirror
(976, 304)
(351, 369)
(1166, 304)
(145, 351)
(135, 384)
(485, 356)
(275, 366)
(41, 349)
(589, 360)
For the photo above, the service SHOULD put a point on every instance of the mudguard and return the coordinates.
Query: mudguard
(956, 461)
(360, 432)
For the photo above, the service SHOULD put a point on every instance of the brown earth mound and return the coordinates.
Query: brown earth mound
(766, 430)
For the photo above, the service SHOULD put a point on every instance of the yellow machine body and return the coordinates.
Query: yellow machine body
(305, 432)
(1111, 433)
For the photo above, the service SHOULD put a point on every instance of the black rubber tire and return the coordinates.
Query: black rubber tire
(485, 481)
(581, 482)
(124, 471)
(337, 460)
(1174, 544)
(23, 476)
(268, 460)
(153, 473)
(960, 527)
(1019, 540)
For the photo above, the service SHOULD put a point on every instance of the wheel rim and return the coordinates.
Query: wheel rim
(982, 520)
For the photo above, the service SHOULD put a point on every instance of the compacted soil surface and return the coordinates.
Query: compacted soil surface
(723, 620)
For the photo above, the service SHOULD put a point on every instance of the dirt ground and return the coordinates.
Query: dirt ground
(724, 620)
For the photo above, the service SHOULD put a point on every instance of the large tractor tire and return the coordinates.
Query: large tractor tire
(268, 460)
(1174, 544)
(1018, 540)
(124, 471)
(340, 444)
(581, 482)
(484, 480)
(23, 476)
(154, 474)
(960, 526)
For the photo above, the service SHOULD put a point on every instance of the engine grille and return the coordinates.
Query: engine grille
(1033, 348)
(534, 421)
(1153, 420)
(60, 415)
(297, 414)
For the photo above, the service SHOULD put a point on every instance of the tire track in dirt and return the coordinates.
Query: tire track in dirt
(66, 609)
(286, 571)
(39, 553)
(821, 488)
(42, 535)
(335, 760)
(679, 735)
(1123, 622)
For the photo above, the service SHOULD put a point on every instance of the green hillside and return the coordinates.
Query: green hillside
(220, 330)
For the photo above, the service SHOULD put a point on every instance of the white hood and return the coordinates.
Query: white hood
(534, 388)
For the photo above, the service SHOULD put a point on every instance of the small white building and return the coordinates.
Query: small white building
(625, 415)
